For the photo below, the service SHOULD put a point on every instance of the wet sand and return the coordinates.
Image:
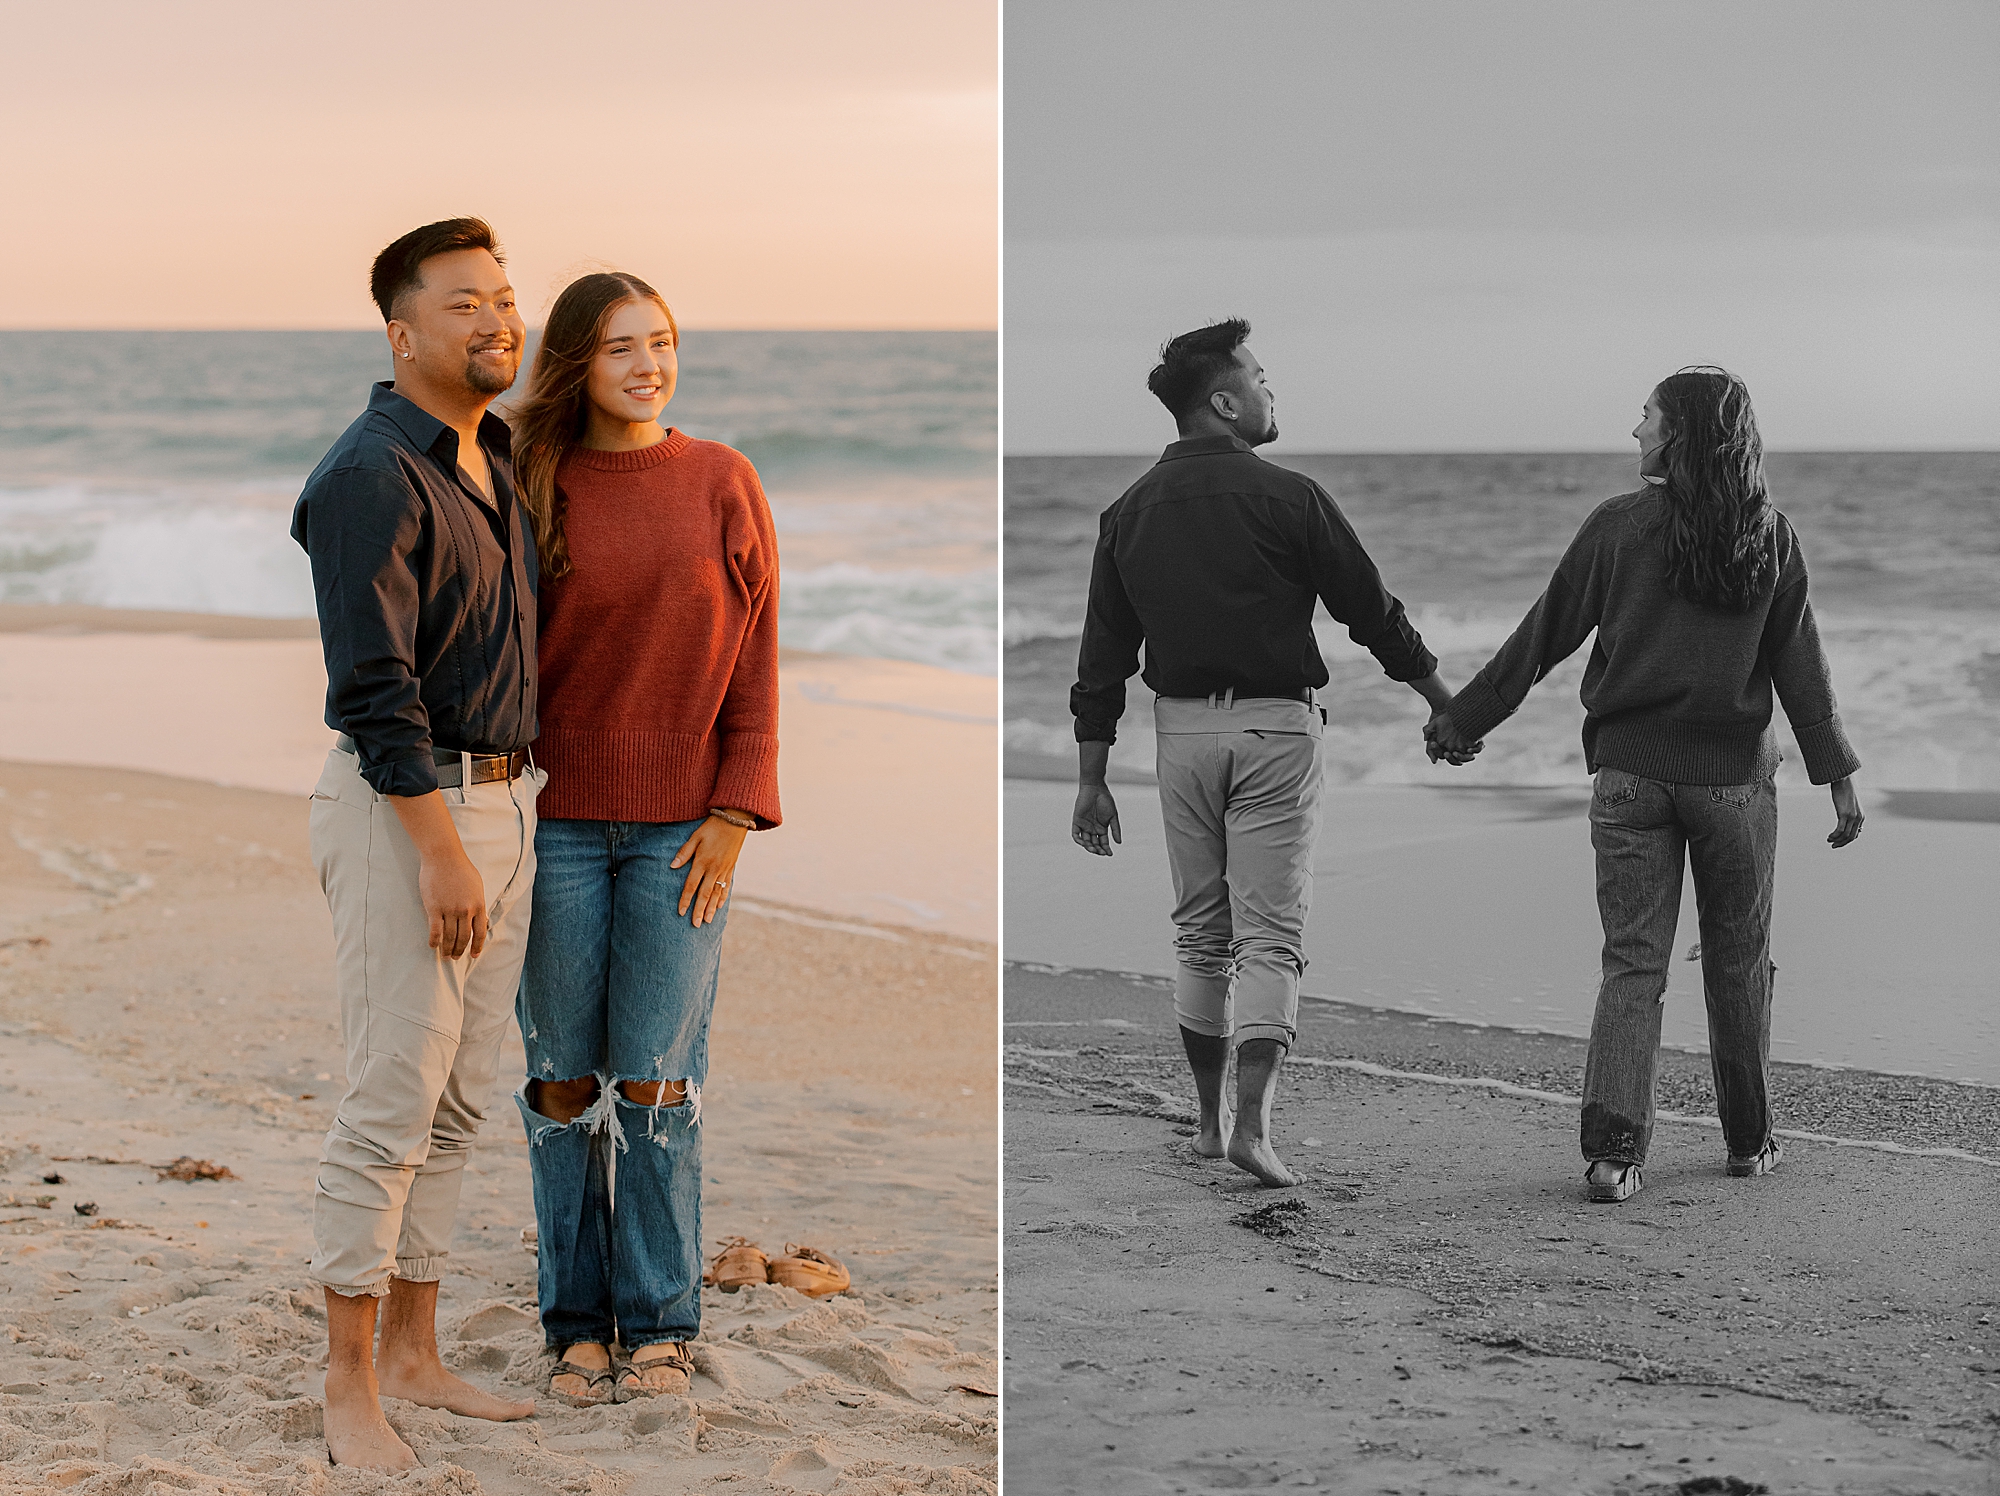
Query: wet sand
(1436, 1309)
(1480, 905)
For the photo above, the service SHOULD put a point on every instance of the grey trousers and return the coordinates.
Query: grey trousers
(1240, 795)
(423, 1031)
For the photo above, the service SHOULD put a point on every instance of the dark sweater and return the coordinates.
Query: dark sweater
(1674, 691)
(1213, 560)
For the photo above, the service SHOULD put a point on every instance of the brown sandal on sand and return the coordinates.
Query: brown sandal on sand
(669, 1371)
(810, 1271)
(594, 1378)
(739, 1262)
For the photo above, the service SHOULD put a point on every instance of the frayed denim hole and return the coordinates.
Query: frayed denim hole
(597, 1117)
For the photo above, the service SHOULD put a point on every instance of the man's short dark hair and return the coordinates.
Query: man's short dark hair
(399, 268)
(1192, 365)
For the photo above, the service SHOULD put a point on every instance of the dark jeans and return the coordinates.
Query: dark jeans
(618, 985)
(1640, 828)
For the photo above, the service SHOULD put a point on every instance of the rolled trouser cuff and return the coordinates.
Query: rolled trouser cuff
(1201, 1001)
(420, 1269)
(1281, 1032)
(349, 1291)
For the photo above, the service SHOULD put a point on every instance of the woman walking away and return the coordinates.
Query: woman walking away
(1697, 589)
(659, 721)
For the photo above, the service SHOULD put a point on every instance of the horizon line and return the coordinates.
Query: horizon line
(1546, 452)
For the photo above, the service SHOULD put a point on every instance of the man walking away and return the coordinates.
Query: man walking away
(423, 823)
(1212, 561)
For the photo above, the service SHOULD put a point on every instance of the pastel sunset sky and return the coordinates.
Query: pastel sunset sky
(1496, 225)
(237, 163)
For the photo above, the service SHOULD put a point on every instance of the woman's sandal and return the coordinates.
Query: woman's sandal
(594, 1379)
(810, 1271)
(670, 1370)
(739, 1262)
(1619, 1181)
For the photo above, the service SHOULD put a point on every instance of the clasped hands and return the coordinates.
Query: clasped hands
(1442, 740)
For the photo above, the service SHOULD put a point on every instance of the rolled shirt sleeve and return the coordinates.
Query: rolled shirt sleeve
(362, 527)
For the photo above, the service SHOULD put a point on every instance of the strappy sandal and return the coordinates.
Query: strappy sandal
(672, 1371)
(810, 1271)
(739, 1262)
(1623, 1185)
(595, 1378)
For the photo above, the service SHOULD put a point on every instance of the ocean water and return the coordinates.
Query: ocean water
(158, 470)
(1904, 551)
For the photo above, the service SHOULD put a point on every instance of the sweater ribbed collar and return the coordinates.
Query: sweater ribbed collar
(636, 461)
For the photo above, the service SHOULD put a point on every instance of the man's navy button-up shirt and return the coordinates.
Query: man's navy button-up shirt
(426, 593)
(1213, 561)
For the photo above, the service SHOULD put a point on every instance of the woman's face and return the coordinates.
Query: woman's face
(1651, 434)
(632, 373)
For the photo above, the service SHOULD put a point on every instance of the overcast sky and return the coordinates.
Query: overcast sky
(237, 163)
(1495, 225)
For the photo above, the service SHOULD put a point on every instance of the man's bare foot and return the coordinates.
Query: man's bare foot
(1256, 1156)
(432, 1386)
(359, 1437)
(1209, 1137)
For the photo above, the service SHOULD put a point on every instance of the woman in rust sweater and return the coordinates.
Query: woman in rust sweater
(659, 731)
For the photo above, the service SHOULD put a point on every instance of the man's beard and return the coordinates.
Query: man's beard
(483, 379)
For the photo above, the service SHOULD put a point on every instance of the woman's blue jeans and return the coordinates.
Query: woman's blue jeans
(620, 986)
(1729, 832)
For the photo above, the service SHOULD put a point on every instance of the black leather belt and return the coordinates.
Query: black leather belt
(451, 764)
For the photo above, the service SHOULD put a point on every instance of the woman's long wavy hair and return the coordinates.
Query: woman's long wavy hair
(556, 412)
(1718, 512)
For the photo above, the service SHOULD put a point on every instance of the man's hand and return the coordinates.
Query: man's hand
(454, 894)
(1442, 740)
(455, 899)
(1847, 813)
(1096, 814)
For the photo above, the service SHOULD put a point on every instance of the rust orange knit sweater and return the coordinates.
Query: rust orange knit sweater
(659, 650)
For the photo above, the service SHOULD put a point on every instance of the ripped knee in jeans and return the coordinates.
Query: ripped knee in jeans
(661, 1095)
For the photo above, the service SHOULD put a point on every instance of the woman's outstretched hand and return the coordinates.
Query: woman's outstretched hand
(710, 855)
(1847, 813)
(1442, 740)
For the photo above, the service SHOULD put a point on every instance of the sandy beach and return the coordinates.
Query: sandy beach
(166, 991)
(1438, 1309)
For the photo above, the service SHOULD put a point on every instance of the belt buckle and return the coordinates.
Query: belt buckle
(487, 767)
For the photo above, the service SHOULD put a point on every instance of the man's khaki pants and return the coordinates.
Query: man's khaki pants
(423, 1032)
(1240, 794)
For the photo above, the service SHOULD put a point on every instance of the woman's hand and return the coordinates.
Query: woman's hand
(710, 856)
(1846, 811)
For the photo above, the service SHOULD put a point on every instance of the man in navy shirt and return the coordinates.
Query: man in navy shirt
(423, 822)
(1213, 562)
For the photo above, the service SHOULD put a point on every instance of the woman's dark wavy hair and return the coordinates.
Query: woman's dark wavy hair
(553, 417)
(1718, 522)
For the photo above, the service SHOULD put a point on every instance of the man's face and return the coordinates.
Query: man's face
(1251, 406)
(460, 328)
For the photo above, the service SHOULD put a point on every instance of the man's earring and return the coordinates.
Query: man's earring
(409, 355)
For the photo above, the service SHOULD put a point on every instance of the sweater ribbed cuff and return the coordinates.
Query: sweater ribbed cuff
(1826, 751)
(1478, 709)
(748, 777)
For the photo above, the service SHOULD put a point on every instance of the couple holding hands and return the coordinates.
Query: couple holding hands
(1696, 589)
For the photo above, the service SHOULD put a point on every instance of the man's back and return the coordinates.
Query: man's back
(1213, 559)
